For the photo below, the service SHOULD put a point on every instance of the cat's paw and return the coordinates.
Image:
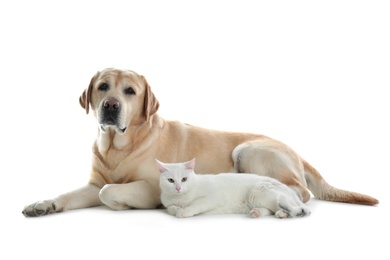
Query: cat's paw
(259, 212)
(172, 209)
(183, 213)
(281, 214)
(255, 213)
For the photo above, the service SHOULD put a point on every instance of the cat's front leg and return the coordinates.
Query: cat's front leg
(184, 212)
(172, 209)
(198, 206)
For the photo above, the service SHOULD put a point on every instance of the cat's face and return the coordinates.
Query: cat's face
(176, 177)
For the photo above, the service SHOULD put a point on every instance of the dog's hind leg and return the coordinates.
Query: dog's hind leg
(271, 158)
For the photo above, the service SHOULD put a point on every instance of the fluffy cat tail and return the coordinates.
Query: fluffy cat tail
(324, 191)
(287, 210)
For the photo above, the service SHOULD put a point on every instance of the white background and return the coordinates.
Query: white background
(314, 74)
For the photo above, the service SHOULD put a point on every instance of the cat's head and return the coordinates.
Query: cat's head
(176, 177)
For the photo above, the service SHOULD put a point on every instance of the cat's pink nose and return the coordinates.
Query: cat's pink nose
(178, 188)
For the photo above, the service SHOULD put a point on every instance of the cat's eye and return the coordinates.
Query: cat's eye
(184, 179)
(171, 180)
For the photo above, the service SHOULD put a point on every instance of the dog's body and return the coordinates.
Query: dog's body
(131, 136)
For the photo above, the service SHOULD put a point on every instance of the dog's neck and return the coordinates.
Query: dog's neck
(135, 133)
(111, 139)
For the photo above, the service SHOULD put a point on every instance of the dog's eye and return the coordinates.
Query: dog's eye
(171, 180)
(129, 91)
(103, 87)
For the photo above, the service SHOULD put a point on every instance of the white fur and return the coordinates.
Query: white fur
(186, 194)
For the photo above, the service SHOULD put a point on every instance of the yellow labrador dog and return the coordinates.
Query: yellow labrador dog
(131, 136)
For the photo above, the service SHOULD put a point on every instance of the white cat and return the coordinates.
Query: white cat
(185, 193)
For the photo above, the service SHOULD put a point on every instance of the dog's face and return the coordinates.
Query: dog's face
(119, 98)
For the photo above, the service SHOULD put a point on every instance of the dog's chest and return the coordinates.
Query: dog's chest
(120, 168)
(114, 166)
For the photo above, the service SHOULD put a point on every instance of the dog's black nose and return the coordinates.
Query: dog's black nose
(111, 104)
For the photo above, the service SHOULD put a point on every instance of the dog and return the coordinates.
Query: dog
(131, 135)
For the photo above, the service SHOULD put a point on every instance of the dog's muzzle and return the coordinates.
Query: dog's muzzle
(110, 114)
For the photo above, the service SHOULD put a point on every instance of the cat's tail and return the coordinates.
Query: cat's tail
(287, 210)
(323, 191)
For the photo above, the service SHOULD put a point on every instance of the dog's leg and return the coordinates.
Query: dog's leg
(138, 194)
(87, 196)
(274, 159)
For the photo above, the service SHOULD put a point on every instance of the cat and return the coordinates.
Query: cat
(185, 193)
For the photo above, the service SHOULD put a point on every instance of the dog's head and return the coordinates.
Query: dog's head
(119, 98)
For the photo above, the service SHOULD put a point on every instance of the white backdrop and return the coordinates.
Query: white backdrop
(314, 74)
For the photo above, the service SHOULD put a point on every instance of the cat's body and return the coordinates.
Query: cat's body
(186, 194)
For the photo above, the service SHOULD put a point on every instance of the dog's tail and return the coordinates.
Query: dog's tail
(323, 191)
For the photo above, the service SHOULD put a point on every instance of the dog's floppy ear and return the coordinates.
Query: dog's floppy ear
(151, 103)
(85, 98)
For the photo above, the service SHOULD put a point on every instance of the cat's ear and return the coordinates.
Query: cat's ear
(161, 166)
(190, 165)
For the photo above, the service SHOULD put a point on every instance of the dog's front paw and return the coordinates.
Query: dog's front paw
(40, 208)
